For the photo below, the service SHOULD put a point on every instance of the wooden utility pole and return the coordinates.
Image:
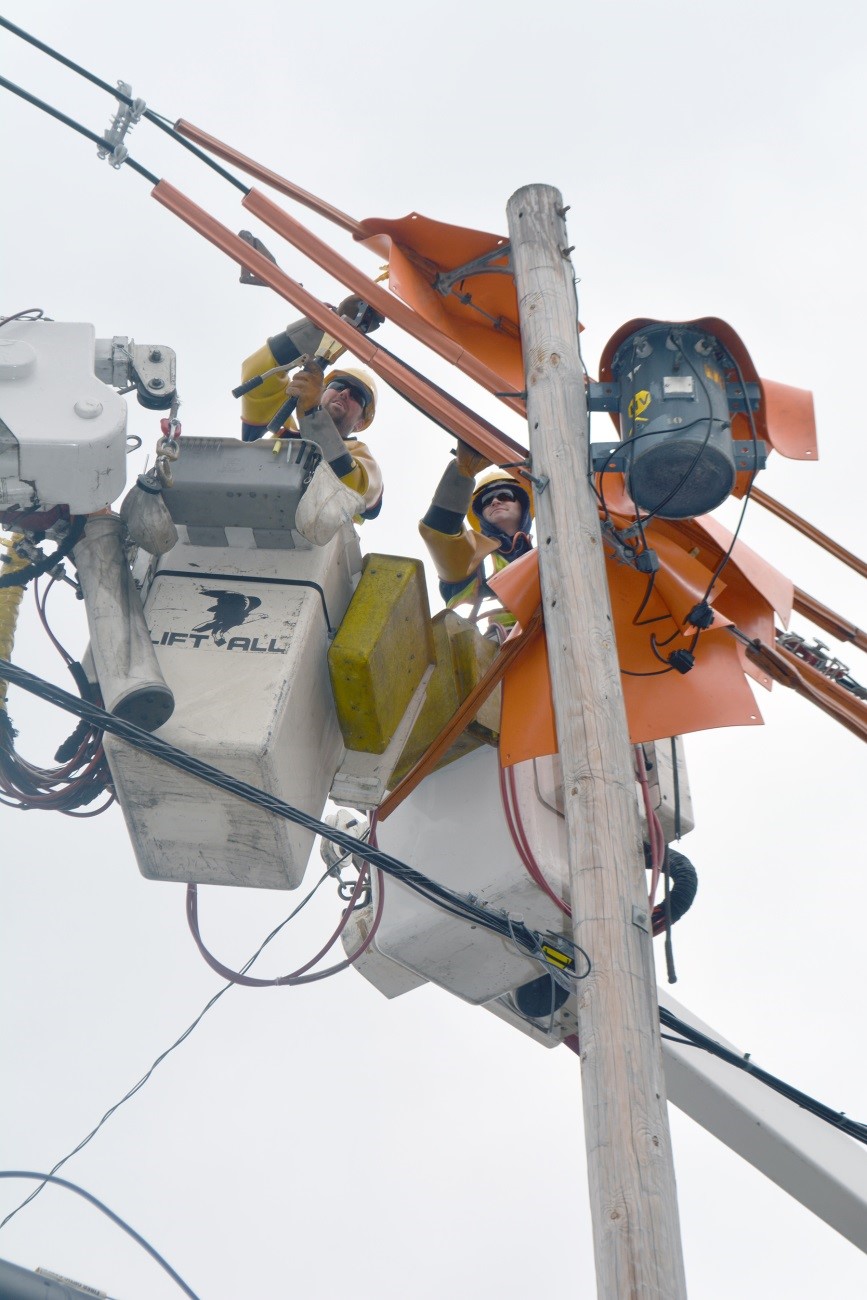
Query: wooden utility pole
(633, 1200)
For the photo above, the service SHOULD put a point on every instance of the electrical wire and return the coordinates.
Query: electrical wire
(98, 140)
(29, 313)
(298, 976)
(21, 577)
(461, 905)
(694, 1038)
(82, 775)
(115, 1218)
(162, 122)
(755, 442)
(508, 795)
(655, 835)
(162, 1056)
(158, 120)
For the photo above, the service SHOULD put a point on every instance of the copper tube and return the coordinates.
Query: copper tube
(825, 618)
(833, 548)
(264, 174)
(787, 669)
(390, 306)
(438, 405)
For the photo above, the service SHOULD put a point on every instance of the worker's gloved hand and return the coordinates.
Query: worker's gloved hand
(454, 492)
(306, 384)
(470, 462)
(350, 308)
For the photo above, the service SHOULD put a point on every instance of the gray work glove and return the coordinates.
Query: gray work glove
(319, 427)
(454, 491)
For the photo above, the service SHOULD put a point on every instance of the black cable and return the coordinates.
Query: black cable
(710, 419)
(29, 313)
(20, 577)
(459, 904)
(156, 118)
(678, 830)
(697, 1039)
(657, 672)
(162, 1056)
(98, 140)
(755, 442)
(115, 1218)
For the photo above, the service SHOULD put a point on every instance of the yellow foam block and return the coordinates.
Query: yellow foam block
(462, 656)
(381, 650)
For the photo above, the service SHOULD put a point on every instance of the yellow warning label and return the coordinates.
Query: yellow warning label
(638, 406)
(559, 959)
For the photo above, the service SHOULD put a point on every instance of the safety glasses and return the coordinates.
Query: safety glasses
(496, 494)
(361, 395)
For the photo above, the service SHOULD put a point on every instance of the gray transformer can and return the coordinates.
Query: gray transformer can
(678, 455)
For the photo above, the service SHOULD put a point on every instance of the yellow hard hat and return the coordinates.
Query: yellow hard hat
(364, 382)
(488, 480)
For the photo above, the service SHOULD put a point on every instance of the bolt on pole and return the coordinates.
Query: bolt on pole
(633, 1198)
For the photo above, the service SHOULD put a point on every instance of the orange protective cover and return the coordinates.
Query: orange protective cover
(418, 249)
(659, 703)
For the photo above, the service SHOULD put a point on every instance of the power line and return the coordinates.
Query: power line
(461, 905)
(116, 93)
(115, 1218)
(162, 1056)
(695, 1038)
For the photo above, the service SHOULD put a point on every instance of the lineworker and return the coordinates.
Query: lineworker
(499, 511)
(332, 408)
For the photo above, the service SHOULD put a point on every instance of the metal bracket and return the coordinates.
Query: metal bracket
(445, 281)
(736, 399)
(750, 455)
(124, 120)
(603, 397)
(640, 918)
(607, 456)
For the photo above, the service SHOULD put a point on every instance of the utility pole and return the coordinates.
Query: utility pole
(636, 1231)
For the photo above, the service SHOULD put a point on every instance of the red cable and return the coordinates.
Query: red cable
(655, 832)
(298, 976)
(520, 841)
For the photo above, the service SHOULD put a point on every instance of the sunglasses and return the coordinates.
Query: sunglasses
(361, 396)
(499, 494)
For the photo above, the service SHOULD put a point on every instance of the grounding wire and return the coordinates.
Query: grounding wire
(115, 1218)
(162, 1056)
(157, 119)
(462, 905)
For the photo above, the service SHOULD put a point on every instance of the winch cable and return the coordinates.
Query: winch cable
(460, 905)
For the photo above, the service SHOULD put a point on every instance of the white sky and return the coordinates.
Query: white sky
(322, 1141)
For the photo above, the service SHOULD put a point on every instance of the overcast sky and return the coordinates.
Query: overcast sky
(322, 1141)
